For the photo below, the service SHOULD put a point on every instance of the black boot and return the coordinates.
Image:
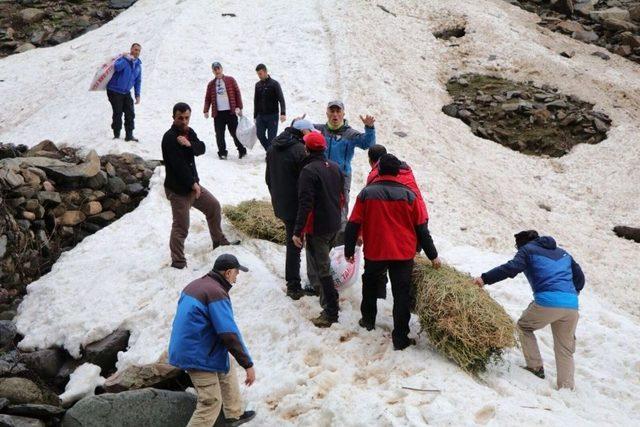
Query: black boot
(116, 134)
(294, 291)
(537, 372)
(324, 320)
(130, 137)
(246, 417)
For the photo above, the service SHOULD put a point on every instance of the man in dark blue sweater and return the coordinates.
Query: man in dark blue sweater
(556, 280)
(127, 75)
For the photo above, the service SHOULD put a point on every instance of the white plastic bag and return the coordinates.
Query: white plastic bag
(104, 74)
(246, 132)
(344, 273)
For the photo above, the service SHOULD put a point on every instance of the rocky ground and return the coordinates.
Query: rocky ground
(532, 120)
(28, 24)
(611, 24)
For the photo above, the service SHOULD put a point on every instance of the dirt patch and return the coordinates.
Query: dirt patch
(524, 117)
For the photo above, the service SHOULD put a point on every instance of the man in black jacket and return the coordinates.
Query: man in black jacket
(267, 96)
(180, 145)
(319, 208)
(284, 162)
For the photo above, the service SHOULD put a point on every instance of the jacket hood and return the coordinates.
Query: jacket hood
(546, 242)
(286, 139)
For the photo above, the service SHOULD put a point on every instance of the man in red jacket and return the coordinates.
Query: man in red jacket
(224, 101)
(392, 225)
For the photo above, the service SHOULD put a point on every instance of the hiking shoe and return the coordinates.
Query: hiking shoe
(179, 266)
(324, 320)
(222, 156)
(537, 372)
(116, 134)
(244, 418)
(410, 342)
(295, 293)
(241, 154)
(310, 291)
(366, 325)
(131, 138)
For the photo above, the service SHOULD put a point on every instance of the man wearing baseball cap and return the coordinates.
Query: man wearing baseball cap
(318, 220)
(204, 333)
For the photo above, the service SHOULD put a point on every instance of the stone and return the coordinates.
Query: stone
(43, 412)
(619, 25)
(49, 198)
(570, 27)
(46, 145)
(135, 189)
(563, 6)
(103, 218)
(630, 40)
(22, 390)
(611, 13)
(138, 377)
(8, 332)
(147, 407)
(600, 125)
(92, 208)
(111, 171)
(24, 47)
(569, 54)
(559, 104)
(32, 15)
(634, 13)
(29, 216)
(60, 171)
(39, 172)
(601, 55)
(586, 36)
(622, 50)
(104, 353)
(116, 185)
(46, 363)
(30, 178)
(14, 203)
(16, 421)
(3, 403)
(98, 181)
(59, 210)
(60, 37)
(3, 247)
(48, 186)
(11, 178)
(72, 218)
(631, 233)
(31, 205)
(121, 4)
(584, 8)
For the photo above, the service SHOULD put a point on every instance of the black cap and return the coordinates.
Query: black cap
(227, 262)
(524, 237)
(389, 165)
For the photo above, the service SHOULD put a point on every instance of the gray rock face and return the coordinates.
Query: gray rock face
(147, 407)
(46, 363)
(104, 353)
(21, 391)
(14, 421)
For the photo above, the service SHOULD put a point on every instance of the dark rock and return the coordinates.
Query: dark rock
(448, 33)
(8, 332)
(601, 55)
(563, 6)
(98, 181)
(400, 134)
(147, 407)
(135, 189)
(16, 421)
(121, 4)
(116, 185)
(450, 110)
(569, 54)
(104, 353)
(103, 218)
(631, 233)
(60, 37)
(3, 403)
(43, 412)
(46, 363)
(49, 198)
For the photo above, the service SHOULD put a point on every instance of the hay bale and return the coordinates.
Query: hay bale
(256, 219)
(462, 321)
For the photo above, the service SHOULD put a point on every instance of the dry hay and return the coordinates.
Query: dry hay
(256, 219)
(462, 321)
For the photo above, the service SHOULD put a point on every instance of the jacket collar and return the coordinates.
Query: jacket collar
(220, 279)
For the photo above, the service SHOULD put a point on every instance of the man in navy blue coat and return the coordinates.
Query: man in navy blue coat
(127, 75)
(556, 280)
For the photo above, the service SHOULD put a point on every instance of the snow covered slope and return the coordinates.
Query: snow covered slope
(479, 193)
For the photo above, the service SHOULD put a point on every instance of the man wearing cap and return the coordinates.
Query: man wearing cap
(318, 220)
(556, 280)
(342, 141)
(127, 75)
(285, 158)
(204, 333)
(224, 101)
(266, 98)
(392, 225)
(180, 146)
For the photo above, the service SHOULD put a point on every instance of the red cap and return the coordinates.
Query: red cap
(315, 141)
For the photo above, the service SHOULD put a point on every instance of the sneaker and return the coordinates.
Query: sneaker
(244, 418)
(324, 320)
(410, 342)
(537, 372)
(310, 291)
(222, 156)
(366, 325)
(295, 293)
(179, 266)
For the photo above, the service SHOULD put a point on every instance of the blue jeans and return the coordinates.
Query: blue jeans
(266, 128)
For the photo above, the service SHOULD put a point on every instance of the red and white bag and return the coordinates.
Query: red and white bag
(104, 74)
(344, 273)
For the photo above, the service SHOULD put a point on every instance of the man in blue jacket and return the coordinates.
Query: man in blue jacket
(556, 280)
(204, 333)
(342, 141)
(127, 75)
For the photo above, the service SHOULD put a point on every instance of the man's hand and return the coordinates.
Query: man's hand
(368, 120)
(300, 117)
(251, 376)
(238, 112)
(283, 118)
(298, 241)
(478, 282)
(137, 100)
(197, 189)
(206, 115)
(182, 140)
(360, 241)
(436, 263)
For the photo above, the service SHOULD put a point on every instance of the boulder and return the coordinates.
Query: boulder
(11, 178)
(98, 181)
(8, 332)
(619, 25)
(46, 363)
(116, 185)
(147, 407)
(137, 377)
(43, 412)
(104, 353)
(60, 171)
(15, 421)
(22, 390)
(41, 148)
(625, 232)
(611, 13)
(31, 15)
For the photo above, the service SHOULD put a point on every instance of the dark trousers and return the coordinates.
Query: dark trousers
(121, 103)
(292, 262)
(221, 121)
(266, 128)
(400, 274)
(318, 249)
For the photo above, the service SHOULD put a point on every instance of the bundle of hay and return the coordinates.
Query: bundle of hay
(256, 219)
(462, 321)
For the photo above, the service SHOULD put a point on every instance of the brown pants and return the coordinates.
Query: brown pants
(563, 326)
(215, 390)
(180, 207)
